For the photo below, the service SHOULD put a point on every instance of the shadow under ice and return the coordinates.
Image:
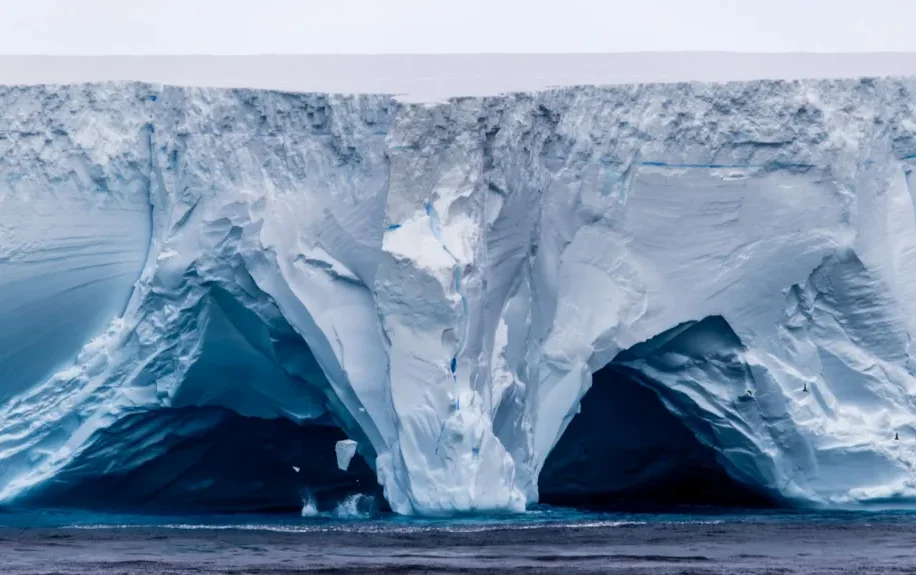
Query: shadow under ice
(625, 450)
(208, 460)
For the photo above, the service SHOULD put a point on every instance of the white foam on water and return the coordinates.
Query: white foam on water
(309, 508)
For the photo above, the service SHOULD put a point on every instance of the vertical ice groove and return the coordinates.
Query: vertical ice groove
(435, 228)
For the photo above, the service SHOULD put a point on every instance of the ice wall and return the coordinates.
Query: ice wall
(441, 280)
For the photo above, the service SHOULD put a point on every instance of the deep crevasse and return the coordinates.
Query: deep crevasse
(442, 280)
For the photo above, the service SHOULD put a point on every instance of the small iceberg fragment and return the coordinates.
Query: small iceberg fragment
(345, 450)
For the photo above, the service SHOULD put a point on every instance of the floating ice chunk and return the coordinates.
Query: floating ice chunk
(345, 450)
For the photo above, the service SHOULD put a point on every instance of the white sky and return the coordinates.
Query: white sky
(93, 27)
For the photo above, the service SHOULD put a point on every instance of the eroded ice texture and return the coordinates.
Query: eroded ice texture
(440, 281)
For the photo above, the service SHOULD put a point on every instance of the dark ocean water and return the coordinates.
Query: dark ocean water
(545, 540)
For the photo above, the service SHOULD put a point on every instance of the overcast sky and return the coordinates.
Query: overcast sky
(452, 26)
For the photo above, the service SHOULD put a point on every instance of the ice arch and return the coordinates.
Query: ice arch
(628, 447)
(247, 425)
(222, 319)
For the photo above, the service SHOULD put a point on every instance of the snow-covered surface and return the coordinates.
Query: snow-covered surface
(434, 78)
(442, 280)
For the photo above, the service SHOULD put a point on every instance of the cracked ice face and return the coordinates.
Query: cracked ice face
(441, 281)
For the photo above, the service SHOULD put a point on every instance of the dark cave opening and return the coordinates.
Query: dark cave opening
(248, 430)
(626, 451)
(208, 460)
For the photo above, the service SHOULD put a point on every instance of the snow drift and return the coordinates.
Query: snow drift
(441, 281)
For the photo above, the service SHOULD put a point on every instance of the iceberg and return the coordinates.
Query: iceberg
(205, 292)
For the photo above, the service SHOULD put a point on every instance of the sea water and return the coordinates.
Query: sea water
(543, 540)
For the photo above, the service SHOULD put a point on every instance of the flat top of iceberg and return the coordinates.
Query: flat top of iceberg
(430, 78)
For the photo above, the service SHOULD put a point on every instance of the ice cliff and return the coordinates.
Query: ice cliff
(441, 281)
